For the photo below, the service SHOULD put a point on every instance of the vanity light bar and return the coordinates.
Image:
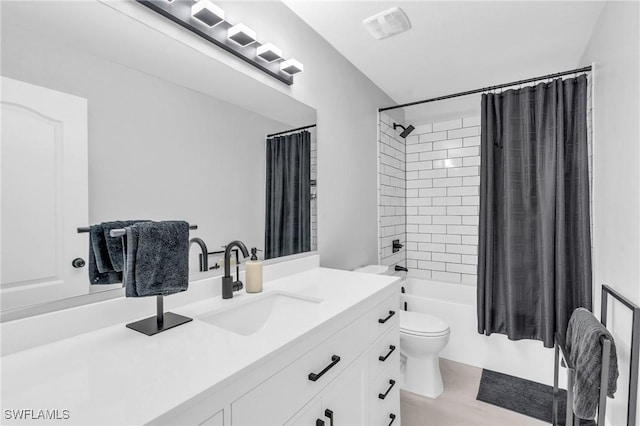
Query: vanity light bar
(269, 52)
(207, 13)
(207, 20)
(241, 34)
(291, 66)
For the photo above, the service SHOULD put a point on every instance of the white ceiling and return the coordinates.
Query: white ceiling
(456, 46)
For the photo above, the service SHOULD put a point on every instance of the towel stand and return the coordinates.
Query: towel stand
(162, 321)
(570, 418)
(635, 346)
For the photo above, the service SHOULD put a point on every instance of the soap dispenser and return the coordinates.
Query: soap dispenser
(254, 273)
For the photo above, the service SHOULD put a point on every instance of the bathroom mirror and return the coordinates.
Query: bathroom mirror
(154, 128)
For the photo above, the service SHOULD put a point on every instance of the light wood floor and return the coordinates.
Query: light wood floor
(458, 406)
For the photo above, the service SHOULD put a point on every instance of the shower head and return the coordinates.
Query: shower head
(405, 130)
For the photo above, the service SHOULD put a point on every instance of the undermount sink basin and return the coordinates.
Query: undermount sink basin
(275, 309)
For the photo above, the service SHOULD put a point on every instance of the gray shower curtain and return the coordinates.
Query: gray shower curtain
(534, 248)
(288, 209)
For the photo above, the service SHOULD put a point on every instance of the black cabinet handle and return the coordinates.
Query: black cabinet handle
(321, 423)
(329, 414)
(391, 313)
(384, 358)
(393, 418)
(315, 376)
(384, 395)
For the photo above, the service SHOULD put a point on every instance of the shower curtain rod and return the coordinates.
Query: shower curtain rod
(292, 130)
(487, 89)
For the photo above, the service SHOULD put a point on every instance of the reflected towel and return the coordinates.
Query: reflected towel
(157, 258)
(115, 248)
(585, 353)
(97, 277)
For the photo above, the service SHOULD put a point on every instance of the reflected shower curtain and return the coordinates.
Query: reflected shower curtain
(288, 209)
(534, 248)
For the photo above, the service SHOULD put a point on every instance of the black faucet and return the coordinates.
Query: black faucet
(228, 285)
(401, 268)
(204, 256)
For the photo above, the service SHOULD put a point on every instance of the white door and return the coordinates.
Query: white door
(44, 194)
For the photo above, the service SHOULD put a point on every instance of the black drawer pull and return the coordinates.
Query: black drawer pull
(329, 414)
(384, 358)
(391, 313)
(321, 423)
(334, 360)
(393, 418)
(384, 395)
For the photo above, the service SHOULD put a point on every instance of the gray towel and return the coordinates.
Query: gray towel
(585, 353)
(106, 259)
(95, 276)
(157, 258)
(99, 248)
(114, 245)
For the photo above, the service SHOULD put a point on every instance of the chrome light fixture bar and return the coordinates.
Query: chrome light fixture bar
(206, 19)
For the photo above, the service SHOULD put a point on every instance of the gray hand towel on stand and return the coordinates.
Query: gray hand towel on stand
(114, 245)
(100, 269)
(98, 244)
(101, 278)
(157, 258)
(585, 353)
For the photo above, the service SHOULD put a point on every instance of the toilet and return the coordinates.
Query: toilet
(422, 338)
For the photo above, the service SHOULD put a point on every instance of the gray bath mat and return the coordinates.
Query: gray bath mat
(522, 396)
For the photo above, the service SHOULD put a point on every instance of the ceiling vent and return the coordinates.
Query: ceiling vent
(387, 23)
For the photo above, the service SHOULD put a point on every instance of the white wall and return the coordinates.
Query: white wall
(156, 150)
(614, 47)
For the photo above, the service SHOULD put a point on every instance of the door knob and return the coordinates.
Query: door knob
(78, 262)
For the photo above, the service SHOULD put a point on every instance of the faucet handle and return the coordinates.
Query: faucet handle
(237, 286)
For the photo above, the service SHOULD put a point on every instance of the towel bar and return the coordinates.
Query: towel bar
(86, 229)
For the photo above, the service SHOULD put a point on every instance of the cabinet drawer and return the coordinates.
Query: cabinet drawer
(383, 353)
(384, 317)
(381, 409)
(278, 398)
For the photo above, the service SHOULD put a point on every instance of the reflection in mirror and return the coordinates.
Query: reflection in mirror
(290, 210)
(101, 125)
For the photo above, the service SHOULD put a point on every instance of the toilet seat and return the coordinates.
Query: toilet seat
(421, 324)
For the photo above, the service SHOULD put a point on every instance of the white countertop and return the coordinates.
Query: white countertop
(115, 375)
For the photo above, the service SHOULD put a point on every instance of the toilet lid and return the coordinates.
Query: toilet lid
(422, 324)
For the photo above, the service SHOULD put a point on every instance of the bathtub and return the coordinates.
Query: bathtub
(456, 305)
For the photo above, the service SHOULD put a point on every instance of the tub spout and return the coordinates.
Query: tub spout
(401, 268)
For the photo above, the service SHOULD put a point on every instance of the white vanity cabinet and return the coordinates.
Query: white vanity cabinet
(320, 389)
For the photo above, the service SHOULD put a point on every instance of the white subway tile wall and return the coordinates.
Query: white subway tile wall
(314, 191)
(445, 193)
(392, 211)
